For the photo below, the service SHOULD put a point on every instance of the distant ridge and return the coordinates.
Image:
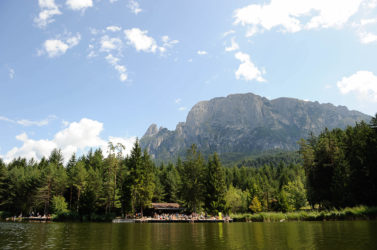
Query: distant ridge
(246, 124)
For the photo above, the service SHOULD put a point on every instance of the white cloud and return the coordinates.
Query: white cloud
(77, 137)
(167, 42)
(26, 123)
(48, 10)
(234, 46)
(364, 22)
(182, 108)
(79, 4)
(6, 119)
(92, 52)
(247, 70)
(73, 41)
(94, 31)
(363, 83)
(290, 15)
(113, 1)
(371, 4)
(120, 68)
(11, 73)
(57, 47)
(202, 52)
(140, 40)
(134, 7)
(128, 143)
(113, 28)
(178, 100)
(108, 44)
(367, 37)
(31, 123)
(229, 32)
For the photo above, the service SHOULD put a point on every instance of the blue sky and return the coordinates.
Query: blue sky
(75, 74)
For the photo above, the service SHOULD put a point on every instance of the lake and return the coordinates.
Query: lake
(286, 235)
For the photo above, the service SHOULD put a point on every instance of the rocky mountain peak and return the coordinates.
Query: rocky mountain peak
(246, 123)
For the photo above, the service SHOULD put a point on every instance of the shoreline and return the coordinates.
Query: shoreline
(353, 213)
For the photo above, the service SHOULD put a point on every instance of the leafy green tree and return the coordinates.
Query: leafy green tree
(236, 200)
(59, 205)
(283, 204)
(296, 194)
(255, 205)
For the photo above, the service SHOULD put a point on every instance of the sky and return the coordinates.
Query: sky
(75, 74)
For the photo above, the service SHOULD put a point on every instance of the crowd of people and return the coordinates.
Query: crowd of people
(185, 217)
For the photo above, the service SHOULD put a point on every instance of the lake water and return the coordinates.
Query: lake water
(286, 235)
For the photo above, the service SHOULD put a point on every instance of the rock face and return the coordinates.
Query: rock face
(245, 124)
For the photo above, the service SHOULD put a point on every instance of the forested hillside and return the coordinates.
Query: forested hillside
(338, 170)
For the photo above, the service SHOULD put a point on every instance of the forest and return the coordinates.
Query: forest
(338, 169)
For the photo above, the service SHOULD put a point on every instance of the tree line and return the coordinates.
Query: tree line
(341, 166)
(115, 185)
(338, 170)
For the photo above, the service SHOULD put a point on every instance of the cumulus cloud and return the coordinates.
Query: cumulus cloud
(48, 10)
(367, 37)
(140, 40)
(247, 70)
(134, 7)
(57, 47)
(234, 46)
(77, 137)
(128, 143)
(296, 15)
(79, 4)
(108, 44)
(202, 52)
(362, 83)
(114, 61)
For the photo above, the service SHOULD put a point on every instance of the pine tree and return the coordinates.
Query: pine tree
(215, 186)
(192, 185)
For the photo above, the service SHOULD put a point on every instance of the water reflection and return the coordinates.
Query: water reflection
(287, 235)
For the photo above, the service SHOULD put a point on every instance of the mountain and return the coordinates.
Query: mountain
(244, 124)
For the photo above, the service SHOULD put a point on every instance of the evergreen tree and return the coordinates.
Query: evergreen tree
(141, 179)
(192, 186)
(215, 186)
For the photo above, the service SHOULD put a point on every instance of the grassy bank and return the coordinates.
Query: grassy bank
(359, 212)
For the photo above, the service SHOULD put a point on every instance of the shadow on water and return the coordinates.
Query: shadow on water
(287, 235)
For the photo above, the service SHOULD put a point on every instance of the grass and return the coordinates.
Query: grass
(359, 212)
